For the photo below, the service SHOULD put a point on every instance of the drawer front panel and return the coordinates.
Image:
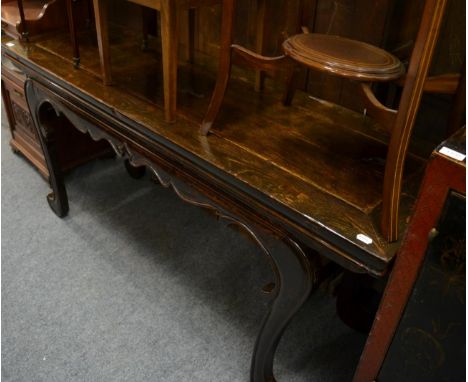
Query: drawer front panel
(15, 90)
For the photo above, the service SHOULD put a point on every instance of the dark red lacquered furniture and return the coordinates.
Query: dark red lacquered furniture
(445, 175)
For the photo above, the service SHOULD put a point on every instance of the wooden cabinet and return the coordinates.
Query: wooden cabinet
(41, 16)
(75, 148)
(23, 135)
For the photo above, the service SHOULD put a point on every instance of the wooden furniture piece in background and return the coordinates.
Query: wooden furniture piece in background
(350, 59)
(75, 149)
(24, 33)
(364, 20)
(21, 18)
(73, 33)
(70, 6)
(170, 15)
(356, 61)
(419, 330)
(72, 26)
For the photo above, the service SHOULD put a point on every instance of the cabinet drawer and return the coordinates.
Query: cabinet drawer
(24, 136)
(15, 89)
(19, 118)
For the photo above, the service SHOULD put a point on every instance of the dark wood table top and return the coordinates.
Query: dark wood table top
(315, 168)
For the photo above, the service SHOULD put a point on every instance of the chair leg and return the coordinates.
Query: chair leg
(90, 17)
(73, 35)
(145, 28)
(24, 32)
(224, 68)
(375, 109)
(190, 51)
(290, 87)
(260, 43)
(169, 38)
(191, 36)
(100, 14)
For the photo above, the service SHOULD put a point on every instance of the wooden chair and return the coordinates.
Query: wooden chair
(170, 14)
(358, 62)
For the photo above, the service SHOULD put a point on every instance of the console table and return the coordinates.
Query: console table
(306, 177)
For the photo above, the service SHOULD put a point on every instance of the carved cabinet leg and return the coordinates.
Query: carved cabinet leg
(57, 199)
(294, 284)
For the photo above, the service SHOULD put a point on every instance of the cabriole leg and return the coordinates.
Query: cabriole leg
(294, 284)
(46, 130)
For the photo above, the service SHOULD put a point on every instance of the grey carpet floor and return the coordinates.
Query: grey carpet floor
(136, 285)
